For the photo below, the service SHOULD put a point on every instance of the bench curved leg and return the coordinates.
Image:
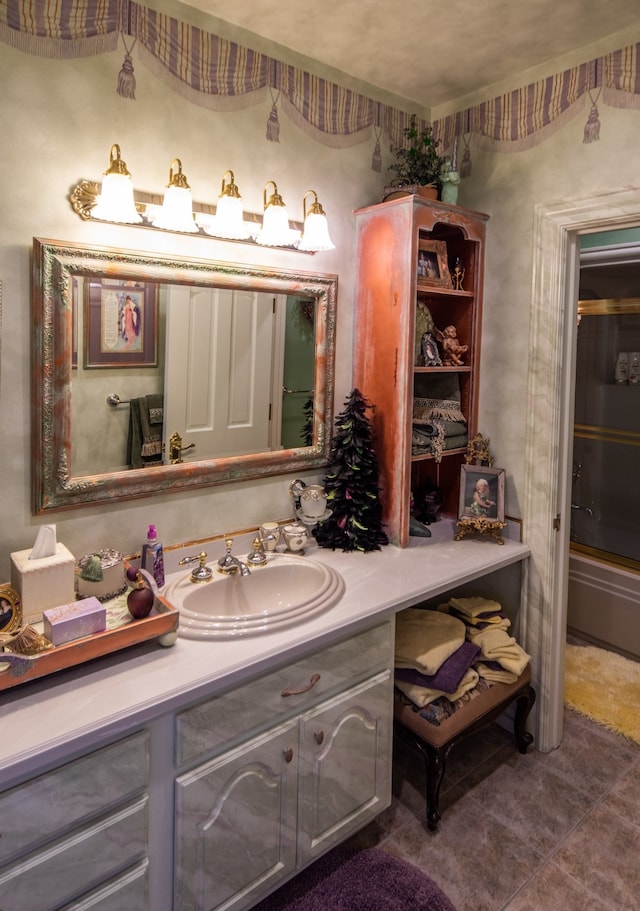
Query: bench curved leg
(524, 703)
(436, 758)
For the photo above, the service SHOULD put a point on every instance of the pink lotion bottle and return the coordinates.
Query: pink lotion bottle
(152, 556)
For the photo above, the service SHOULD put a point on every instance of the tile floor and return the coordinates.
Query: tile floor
(555, 831)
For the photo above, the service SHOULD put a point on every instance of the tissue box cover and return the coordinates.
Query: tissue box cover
(74, 621)
(44, 582)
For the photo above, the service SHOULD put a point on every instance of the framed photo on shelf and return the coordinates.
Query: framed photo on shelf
(121, 323)
(481, 493)
(433, 268)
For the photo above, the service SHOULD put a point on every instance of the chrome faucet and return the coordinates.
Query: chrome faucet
(202, 572)
(230, 564)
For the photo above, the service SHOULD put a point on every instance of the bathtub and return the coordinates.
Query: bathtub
(604, 603)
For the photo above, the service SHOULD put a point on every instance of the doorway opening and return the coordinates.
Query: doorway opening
(549, 442)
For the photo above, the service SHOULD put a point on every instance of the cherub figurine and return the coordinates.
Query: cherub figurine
(451, 349)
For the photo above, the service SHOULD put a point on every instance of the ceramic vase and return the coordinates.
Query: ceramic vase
(269, 535)
(313, 501)
(296, 537)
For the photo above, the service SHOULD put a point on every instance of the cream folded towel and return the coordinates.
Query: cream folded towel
(494, 674)
(496, 645)
(423, 695)
(426, 638)
(474, 629)
(474, 606)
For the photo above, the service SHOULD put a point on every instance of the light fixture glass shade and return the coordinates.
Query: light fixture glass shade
(177, 207)
(116, 202)
(275, 231)
(315, 232)
(228, 221)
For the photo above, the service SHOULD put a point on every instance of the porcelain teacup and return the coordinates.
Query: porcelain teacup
(296, 537)
(269, 535)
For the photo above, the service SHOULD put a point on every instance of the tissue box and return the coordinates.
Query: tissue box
(74, 621)
(43, 583)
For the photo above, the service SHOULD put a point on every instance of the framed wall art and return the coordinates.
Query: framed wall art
(433, 269)
(121, 323)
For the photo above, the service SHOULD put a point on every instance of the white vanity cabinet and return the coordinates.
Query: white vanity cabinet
(78, 835)
(317, 768)
(201, 777)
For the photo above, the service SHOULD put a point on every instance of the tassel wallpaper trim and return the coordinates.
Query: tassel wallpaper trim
(126, 76)
(223, 75)
(376, 158)
(273, 124)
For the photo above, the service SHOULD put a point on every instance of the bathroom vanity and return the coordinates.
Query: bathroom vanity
(202, 776)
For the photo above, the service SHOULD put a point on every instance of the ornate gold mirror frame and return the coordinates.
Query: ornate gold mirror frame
(55, 264)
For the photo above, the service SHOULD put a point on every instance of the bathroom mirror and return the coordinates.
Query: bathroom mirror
(219, 346)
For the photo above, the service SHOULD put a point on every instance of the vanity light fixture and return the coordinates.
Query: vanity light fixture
(116, 202)
(177, 208)
(228, 221)
(275, 231)
(315, 231)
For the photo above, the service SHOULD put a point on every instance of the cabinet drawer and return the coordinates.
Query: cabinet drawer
(33, 813)
(72, 866)
(128, 892)
(213, 723)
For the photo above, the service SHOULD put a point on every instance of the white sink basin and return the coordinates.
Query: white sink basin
(288, 590)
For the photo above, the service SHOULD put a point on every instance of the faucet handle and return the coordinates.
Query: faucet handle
(227, 560)
(202, 572)
(257, 557)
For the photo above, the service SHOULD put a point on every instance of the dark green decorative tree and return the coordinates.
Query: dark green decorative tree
(351, 484)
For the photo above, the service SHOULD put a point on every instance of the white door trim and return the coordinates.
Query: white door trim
(553, 305)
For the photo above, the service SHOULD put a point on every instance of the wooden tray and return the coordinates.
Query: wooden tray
(161, 622)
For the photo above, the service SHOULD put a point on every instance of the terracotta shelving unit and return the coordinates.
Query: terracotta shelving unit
(391, 238)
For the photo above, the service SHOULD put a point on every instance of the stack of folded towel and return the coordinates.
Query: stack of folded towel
(443, 655)
(501, 658)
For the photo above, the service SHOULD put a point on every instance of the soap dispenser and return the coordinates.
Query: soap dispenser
(152, 556)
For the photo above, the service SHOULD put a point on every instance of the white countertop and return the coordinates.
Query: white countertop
(102, 698)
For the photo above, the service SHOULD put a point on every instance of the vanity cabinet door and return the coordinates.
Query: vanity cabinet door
(345, 765)
(236, 824)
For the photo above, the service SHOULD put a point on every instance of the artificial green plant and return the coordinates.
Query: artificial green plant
(351, 484)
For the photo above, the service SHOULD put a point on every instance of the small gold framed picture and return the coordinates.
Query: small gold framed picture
(433, 269)
(10, 610)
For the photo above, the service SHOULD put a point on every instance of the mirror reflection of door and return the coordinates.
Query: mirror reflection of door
(298, 374)
(218, 373)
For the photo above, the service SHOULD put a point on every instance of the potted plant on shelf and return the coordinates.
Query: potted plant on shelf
(418, 166)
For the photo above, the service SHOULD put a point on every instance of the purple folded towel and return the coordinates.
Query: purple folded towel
(450, 673)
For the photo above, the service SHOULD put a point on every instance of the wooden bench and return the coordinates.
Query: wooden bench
(436, 741)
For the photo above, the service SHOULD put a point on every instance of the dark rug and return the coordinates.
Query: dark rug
(348, 880)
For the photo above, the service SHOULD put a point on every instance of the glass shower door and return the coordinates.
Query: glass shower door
(605, 504)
